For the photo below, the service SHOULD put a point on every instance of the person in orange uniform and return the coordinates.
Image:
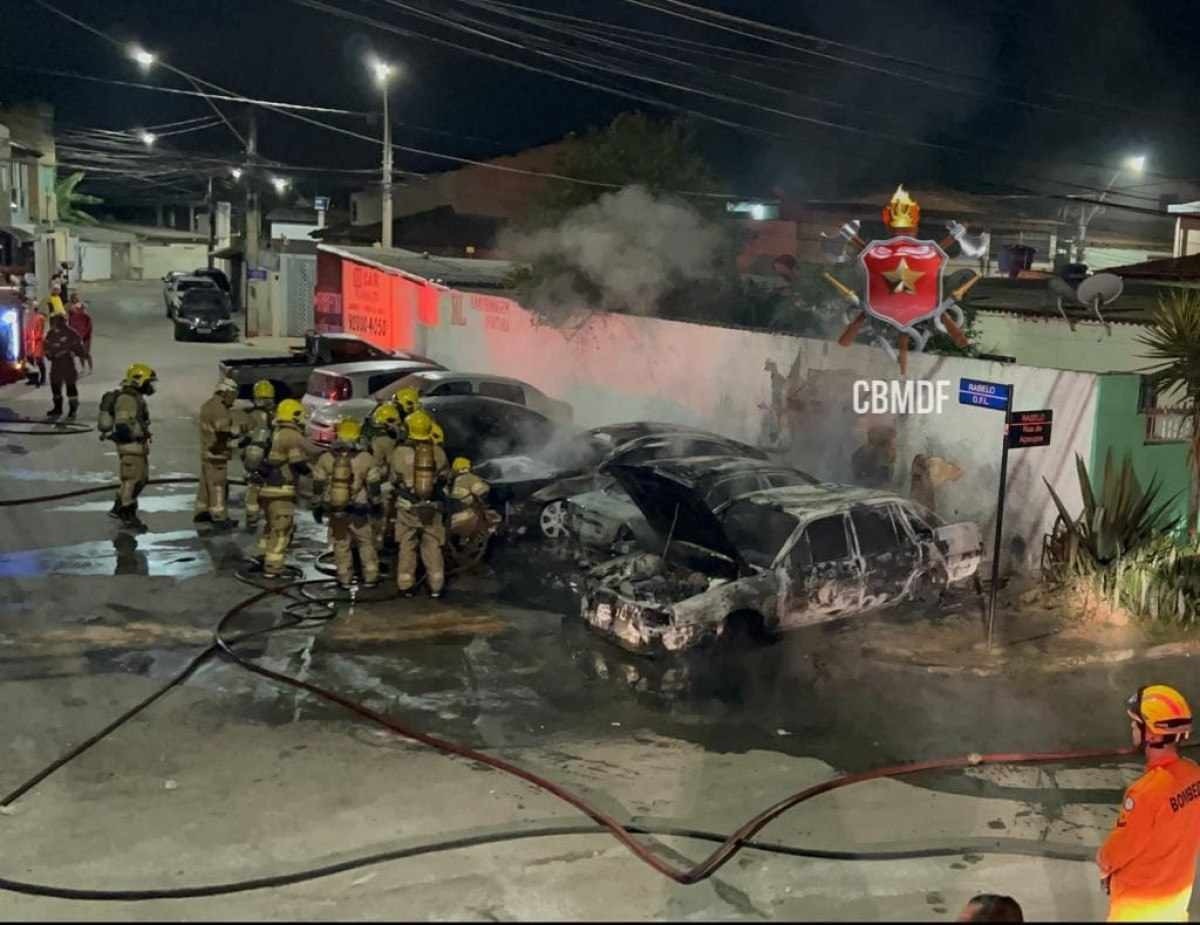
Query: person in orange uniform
(1148, 862)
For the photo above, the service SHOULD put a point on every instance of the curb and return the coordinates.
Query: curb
(1001, 663)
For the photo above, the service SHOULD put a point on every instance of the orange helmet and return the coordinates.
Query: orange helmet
(1161, 711)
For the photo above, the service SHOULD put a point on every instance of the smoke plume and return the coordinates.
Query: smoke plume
(623, 252)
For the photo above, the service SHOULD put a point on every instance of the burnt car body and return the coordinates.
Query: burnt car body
(772, 560)
(480, 428)
(606, 516)
(534, 489)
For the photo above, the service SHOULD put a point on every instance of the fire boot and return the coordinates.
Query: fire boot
(129, 518)
(72, 408)
(202, 518)
(226, 524)
(56, 410)
(115, 511)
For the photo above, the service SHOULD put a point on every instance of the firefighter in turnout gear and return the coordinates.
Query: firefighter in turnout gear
(467, 500)
(1148, 862)
(417, 468)
(62, 346)
(347, 487)
(125, 419)
(407, 400)
(285, 462)
(255, 444)
(381, 433)
(218, 428)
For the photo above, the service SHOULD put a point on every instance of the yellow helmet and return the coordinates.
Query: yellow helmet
(461, 464)
(407, 399)
(1161, 711)
(289, 411)
(264, 391)
(419, 425)
(386, 415)
(139, 374)
(437, 434)
(349, 431)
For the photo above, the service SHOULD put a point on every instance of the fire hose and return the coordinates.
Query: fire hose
(60, 428)
(728, 845)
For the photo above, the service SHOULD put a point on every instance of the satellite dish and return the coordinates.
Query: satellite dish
(1106, 287)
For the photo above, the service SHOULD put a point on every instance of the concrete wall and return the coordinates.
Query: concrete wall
(1050, 342)
(293, 231)
(94, 261)
(790, 394)
(1122, 430)
(156, 260)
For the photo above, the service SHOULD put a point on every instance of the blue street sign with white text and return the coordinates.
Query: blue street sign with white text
(982, 394)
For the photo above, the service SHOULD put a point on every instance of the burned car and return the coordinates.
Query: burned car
(534, 488)
(772, 560)
(606, 516)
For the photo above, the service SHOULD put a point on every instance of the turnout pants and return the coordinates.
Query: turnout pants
(276, 536)
(212, 490)
(253, 510)
(413, 537)
(134, 470)
(59, 377)
(348, 532)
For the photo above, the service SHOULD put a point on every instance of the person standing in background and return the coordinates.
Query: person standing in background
(62, 347)
(54, 303)
(35, 341)
(81, 323)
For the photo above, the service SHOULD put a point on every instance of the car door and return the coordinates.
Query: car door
(823, 576)
(887, 552)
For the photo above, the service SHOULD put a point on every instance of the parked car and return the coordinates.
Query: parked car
(772, 560)
(350, 390)
(205, 314)
(289, 374)
(536, 490)
(179, 285)
(607, 516)
(447, 382)
(217, 276)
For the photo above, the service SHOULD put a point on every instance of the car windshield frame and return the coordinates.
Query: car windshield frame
(754, 556)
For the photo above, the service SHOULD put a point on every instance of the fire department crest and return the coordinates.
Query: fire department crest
(903, 278)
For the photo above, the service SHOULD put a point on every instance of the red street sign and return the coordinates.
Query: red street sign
(1030, 428)
(904, 280)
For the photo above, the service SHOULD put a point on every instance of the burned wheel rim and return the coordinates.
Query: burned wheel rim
(553, 520)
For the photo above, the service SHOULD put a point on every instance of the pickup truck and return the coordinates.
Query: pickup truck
(289, 374)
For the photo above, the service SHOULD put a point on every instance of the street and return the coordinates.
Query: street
(232, 777)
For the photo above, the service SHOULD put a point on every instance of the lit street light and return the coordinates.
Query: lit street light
(237, 173)
(1135, 164)
(280, 184)
(145, 59)
(148, 138)
(383, 74)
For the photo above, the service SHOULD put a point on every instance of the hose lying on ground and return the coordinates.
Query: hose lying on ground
(728, 845)
(97, 489)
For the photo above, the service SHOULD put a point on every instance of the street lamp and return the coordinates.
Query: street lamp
(236, 172)
(148, 138)
(1135, 164)
(280, 184)
(145, 59)
(383, 75)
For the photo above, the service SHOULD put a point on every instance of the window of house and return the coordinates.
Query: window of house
(876, 530)
(1166, 419)
(502, 390)
(827, 539)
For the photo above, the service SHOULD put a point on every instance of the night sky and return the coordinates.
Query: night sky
(1112, 79)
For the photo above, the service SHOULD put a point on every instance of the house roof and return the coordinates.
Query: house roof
(460, 272)
(1033, 298)
(288, 214)
(441, 228)
(1170, 268)
(155, 232)
(100, 234)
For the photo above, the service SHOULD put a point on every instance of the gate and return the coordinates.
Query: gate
(298, 281)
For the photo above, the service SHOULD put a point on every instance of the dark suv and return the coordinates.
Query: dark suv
(205, 314)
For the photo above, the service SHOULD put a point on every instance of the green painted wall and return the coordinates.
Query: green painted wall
(1120, 428)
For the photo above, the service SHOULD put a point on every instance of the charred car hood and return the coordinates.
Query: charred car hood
(659, 498)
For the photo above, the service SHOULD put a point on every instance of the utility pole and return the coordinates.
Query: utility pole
(386, 237)
(212, 223)
(250, 238)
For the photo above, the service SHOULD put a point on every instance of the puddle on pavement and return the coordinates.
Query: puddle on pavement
(174, 554)
(52, 475)
(149, 502)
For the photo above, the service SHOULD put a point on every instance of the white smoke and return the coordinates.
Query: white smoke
(622, 252)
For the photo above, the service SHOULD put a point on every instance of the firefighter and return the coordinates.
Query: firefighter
(125, 419)
(437, 434)
(347, 485)
(1148, 862)
(62, 346)
(382, 433)
(255, 444)
(218, 428)
(407, 400)
(417, 468)
(285, 462)
(467, 504)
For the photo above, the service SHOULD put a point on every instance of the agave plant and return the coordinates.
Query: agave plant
(1115, 523)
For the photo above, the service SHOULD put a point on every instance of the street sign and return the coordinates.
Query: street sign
(993, 395)
(1030, 428)
(321, 203)
(256, 272)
